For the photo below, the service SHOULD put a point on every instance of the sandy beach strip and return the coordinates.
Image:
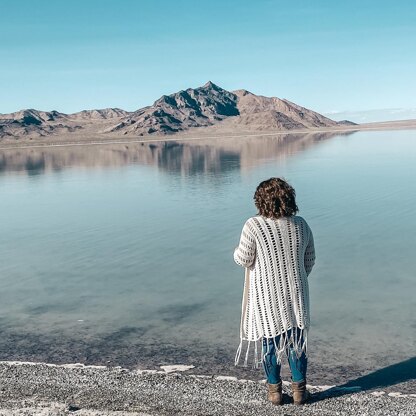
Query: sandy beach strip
(48, 389)
(91, 139)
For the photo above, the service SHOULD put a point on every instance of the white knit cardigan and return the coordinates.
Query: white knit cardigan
(278, 255)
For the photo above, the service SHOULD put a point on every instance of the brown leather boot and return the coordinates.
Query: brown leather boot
(300, 394)
(275, 393)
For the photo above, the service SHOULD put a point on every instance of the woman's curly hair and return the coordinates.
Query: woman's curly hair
(275, 198)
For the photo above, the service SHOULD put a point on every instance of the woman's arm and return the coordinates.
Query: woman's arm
(245, 253)
(309, 253)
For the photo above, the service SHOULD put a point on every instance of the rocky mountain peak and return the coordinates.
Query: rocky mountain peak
(193, 107)
(211, 85)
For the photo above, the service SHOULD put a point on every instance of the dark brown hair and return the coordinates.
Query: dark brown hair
(275, 198)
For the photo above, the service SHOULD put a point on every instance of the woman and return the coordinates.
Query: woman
(276, 248)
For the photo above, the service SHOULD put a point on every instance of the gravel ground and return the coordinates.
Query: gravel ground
(45, 389)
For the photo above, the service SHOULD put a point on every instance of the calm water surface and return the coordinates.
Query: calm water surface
(122, 254)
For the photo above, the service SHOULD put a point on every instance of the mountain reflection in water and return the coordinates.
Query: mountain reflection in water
(190, 157)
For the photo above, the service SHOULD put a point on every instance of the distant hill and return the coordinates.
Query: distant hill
(347, 123)
(103, 114)
(34, 122)
(209, 105)
(274, 113)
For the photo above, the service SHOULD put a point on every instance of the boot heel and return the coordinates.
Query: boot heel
(275, 393)
(300, 394)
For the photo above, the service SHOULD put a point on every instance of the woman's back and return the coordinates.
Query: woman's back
(280, 255)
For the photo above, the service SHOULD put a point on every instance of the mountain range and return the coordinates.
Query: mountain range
(209, 106)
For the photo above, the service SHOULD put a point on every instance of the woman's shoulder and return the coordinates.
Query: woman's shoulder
(252, 220)
(298, 218)
(301, 221)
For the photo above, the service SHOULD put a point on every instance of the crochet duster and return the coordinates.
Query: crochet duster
(278, 255)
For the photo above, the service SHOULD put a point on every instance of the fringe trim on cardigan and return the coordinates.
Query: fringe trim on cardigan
(296, 340)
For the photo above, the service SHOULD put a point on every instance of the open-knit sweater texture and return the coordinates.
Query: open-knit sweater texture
(278, 256)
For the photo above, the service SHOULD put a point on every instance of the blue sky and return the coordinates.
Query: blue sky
(325, 55)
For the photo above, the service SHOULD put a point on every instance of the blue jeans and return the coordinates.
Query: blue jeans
(298, 365)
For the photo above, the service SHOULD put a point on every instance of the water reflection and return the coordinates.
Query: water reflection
(184, 157)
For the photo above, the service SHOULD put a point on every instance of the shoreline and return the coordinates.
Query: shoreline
(93, 140)
(28, 388)
(125, 348)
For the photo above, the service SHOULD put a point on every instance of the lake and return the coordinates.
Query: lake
(121, 254)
